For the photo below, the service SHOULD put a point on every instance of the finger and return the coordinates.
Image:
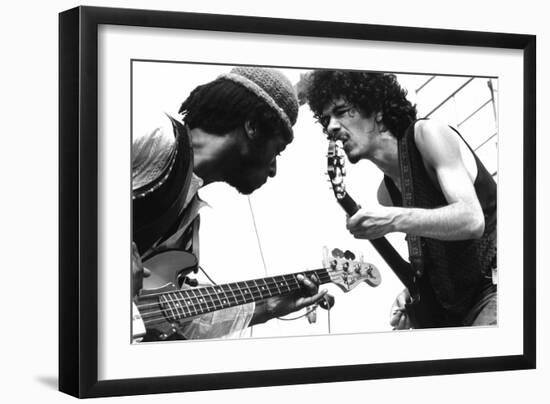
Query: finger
(354, 220)
(408, 323)
(402, 325)
(403, 298)
(308, 301)
(309, 285)
(314, 279)
(394, 319)
(396, 310)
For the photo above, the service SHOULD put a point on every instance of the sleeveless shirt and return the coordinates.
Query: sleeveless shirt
(457, 271)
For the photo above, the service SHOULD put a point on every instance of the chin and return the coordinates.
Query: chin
(352, 158)
(247, 188)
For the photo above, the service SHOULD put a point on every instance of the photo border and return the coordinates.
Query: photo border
(78, 200)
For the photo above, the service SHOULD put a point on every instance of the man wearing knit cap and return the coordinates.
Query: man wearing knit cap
(232, 130)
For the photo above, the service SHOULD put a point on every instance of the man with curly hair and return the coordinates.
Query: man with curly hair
(434, 189)
(231, 130)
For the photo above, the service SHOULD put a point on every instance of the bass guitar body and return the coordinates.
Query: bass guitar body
(167, 268)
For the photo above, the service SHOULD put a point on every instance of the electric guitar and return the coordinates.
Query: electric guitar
(162, 308)
(423, 309)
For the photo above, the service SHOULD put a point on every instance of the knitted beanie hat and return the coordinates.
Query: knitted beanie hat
(271, 86)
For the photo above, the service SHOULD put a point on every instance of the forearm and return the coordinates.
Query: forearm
(452, 222)
(261, 314)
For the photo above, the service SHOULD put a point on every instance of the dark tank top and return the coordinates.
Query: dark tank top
(458, 271)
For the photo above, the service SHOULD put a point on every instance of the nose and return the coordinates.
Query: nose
(273, 168)
(333, 126)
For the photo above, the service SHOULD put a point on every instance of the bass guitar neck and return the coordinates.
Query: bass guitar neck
(422, 310)
(164, 309)
(399, 266)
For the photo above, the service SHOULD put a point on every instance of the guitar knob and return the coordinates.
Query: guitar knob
(327, 302)
(191, 282)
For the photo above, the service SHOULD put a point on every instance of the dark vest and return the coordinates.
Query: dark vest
(157, 214)
(457, 270)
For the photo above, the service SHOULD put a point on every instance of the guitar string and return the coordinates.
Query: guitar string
(253, 280)
(212, 293)
(214, 299)
(195, 300)
(195, 304)
(274, 285)
(161, 319)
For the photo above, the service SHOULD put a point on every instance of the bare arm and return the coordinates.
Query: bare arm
(461, 219)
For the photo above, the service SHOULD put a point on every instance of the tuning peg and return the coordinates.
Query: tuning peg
(349, 255)
(337, 253)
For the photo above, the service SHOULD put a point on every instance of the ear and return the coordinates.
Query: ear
(249, 129)
(378, 118)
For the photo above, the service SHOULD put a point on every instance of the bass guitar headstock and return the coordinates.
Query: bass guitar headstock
(347, 272)
(335, 168)
(336, 173)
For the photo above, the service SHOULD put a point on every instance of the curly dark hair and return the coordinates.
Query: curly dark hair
(368, 92)
(222, 105)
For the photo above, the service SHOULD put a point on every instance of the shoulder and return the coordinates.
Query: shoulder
(159, 132)
(435, 141)
(431, 130)
(152, 150)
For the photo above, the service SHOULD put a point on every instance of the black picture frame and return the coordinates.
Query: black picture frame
(78, 196)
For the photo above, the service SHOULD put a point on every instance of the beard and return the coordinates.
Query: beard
(249, 174)
(242, 185)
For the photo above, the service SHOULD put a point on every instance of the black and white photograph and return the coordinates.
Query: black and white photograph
(262, 195)
(275, 202)
(251, 202)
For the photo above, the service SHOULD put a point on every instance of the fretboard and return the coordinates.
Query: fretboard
(186, 303)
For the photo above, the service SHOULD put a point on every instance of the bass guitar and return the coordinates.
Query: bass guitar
(423, 310)
(162, 308)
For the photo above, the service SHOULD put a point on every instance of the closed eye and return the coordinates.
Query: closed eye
(341, 111)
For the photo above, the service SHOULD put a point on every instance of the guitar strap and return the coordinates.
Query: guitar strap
(407, 192)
